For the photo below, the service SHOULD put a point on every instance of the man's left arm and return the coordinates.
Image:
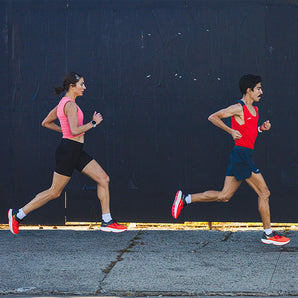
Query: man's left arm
(265, 126)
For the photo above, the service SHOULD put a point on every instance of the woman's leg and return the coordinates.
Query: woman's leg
(96, 173)
(58, 184)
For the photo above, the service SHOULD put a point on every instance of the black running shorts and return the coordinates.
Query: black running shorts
(69, 156)
(241, 164)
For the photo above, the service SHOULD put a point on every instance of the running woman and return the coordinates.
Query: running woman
(70, 155)
(244, 131)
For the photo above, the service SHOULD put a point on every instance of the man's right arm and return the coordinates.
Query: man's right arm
(233, 110)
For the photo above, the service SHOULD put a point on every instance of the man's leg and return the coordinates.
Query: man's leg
(230, 187)
(258, 184)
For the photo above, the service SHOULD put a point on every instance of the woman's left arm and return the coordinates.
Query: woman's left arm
(49, 123)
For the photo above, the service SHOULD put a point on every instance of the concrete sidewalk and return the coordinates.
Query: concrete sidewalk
(146, 263)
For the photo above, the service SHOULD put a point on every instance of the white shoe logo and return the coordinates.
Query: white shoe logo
(249, 118)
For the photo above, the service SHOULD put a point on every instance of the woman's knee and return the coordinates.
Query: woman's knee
(104, 181)
(54, 194)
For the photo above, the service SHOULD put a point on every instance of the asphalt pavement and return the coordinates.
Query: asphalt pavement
(146, 263)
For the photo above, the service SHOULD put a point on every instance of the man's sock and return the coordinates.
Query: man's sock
(20, 214)
(188, 199)
(107, 217)
(268, 231)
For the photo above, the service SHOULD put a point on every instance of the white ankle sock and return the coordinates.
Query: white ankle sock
(21, 214)
(188, 199)
(106, 217)
(268, 231)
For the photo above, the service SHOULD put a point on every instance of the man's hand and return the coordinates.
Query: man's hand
(236, 135)
(265, 126)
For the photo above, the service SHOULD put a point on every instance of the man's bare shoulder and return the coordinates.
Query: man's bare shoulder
(232, 110)
(236, 107)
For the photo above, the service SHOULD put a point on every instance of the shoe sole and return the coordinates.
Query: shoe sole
(176, 204)
(104, 229)
(274, 243)
(10, 221)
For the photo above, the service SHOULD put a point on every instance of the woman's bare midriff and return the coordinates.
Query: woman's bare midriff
(79, 139)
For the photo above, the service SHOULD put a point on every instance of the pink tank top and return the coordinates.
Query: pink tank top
(64, 120)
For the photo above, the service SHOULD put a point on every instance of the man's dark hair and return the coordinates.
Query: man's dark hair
(248, 81)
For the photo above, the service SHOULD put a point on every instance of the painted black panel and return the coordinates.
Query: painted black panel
(156, 70)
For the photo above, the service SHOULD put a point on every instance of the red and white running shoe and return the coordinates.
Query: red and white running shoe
(179, 204)
(112, 226)
(275, 239)
(14, 222)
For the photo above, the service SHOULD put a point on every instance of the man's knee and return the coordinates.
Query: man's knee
(224, 197)
(265, 194)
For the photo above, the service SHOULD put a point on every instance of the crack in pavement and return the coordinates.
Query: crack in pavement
(227, 236)
(274, 269)
(119, 258)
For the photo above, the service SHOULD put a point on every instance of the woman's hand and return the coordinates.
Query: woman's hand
(97, 117)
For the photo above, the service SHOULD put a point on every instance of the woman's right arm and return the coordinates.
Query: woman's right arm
(49, 123)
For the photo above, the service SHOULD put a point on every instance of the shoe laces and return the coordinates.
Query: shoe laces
(17, 220)
(277, 236)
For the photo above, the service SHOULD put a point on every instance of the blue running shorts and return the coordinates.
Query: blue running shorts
(241, 164)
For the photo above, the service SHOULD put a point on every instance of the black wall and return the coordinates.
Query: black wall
(156, 70)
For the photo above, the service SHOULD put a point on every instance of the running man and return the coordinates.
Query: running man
(244, 131)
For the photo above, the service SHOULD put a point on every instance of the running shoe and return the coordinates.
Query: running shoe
(112, 226)
(179, 204)
(14, 222)
(274, 239)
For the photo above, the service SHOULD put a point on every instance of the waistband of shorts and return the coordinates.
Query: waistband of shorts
(245, 149)
(72, 143)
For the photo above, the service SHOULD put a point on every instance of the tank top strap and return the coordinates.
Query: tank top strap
(240, 101)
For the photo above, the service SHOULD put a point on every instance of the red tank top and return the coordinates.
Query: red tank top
(248, 130)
